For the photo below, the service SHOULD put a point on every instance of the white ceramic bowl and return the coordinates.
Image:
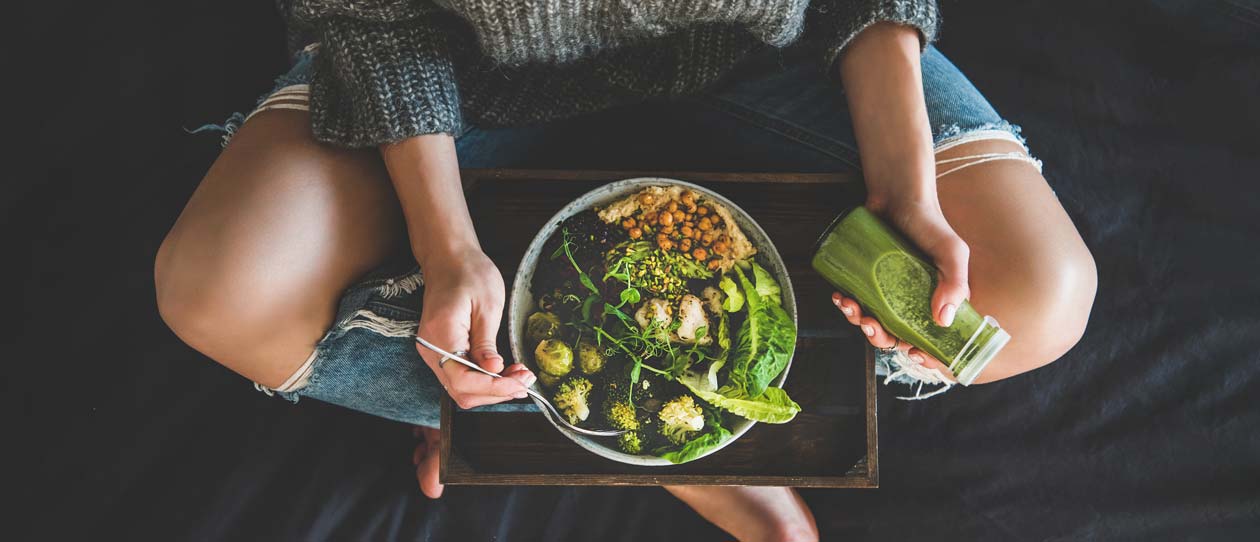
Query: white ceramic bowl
(522, 303)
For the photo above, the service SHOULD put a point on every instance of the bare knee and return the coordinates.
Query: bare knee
(225, 316)
(1046, 312)
(184, 303)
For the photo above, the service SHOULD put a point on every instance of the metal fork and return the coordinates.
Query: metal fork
(550, 412)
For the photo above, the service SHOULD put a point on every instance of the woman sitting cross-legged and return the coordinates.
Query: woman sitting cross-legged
(285, 267)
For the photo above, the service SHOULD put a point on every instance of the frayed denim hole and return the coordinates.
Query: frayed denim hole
(228, 128)
(319, 357)
(944, 133)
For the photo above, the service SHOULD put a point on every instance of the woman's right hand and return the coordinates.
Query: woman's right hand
(463, 306)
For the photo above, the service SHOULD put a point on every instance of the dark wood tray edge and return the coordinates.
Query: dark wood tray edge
(863, 474)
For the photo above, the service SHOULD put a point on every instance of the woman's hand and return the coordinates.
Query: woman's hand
(463, 290)
(924, 225)
(463, 306)
(884, 86)
(879, 338)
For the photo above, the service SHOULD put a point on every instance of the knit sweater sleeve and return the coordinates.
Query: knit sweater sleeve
(837, 22)
(383, 72)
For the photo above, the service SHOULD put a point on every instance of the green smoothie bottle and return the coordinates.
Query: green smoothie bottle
(893, 282)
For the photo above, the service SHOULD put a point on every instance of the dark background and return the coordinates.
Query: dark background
(1146, 114)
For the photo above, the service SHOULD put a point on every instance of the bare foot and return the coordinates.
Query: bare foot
(752, 514)
(425, 458)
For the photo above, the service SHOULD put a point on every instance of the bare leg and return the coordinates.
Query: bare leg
(752, 514)
(251, 273)
(1029, 267)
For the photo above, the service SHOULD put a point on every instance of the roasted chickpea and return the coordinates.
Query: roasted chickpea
(679, 216)
(700, 254)
(628, 223)
(665, 243)
(673, 206)
(667, 219)
(684, 245)
(667, 229)
(695, 234)
(708, 238)
(705, 224)
(702, 210)
(714, 264)
(649, 218)
(688, 197)
(646, 199)
(636, 232)
(686, 230)
(691, 207)
(721, 247)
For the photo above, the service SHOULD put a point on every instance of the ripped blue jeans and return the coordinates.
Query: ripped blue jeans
(778, 112)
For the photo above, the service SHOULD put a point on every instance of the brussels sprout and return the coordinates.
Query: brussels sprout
(553, 356)
(549, 380)
(590, 357)
(542, 326)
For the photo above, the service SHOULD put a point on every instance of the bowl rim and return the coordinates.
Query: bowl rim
(607, 193)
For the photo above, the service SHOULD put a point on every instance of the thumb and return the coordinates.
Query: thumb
(482, 343)
(951, 257)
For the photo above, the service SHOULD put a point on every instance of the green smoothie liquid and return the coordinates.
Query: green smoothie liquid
(893, 282)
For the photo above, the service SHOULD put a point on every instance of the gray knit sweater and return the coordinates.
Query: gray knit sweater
(391, 69)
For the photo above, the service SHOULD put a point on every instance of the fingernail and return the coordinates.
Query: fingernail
(848, 311)
(917, 359)
(528, 380)
(868, 330)
(947, 314)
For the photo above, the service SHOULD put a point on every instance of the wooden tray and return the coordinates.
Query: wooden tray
(831, 443)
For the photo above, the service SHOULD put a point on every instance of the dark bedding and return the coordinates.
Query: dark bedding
(1148, 430)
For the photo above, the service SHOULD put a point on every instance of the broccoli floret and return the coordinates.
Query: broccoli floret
(680, 418)
(630, 443)
(620, 414)
(572, 397)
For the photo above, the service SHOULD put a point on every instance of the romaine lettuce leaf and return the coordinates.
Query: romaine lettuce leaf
(734, 298)
(772, 406)
(701, 444)
(765, 341)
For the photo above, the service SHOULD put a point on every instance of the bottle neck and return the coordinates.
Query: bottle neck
(984, 345)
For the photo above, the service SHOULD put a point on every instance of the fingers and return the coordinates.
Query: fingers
(870, 327)
(852, 312)
(875, 333)
(469, 388)
(930, 362)
(485, 329)
(951, 257)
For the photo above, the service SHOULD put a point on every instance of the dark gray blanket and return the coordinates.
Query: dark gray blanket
(1148, 430)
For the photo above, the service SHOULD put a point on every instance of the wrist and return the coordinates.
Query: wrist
(444, 252)
(905, 177)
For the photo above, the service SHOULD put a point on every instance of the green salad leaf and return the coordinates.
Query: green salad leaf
(765, 285)
(734, 299)
(765, 341)
(772, 406)
(700, 445)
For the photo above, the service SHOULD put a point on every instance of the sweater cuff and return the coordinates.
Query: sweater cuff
(855, 16)
(375, 83)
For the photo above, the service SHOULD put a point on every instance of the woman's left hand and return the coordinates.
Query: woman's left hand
(880, 338)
